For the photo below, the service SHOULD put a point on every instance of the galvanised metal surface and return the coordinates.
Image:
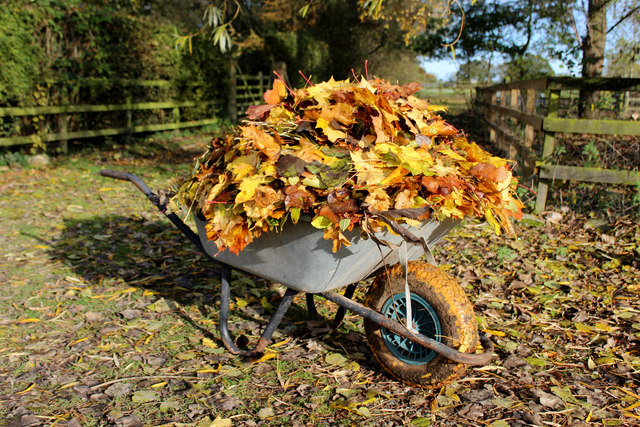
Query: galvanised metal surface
(300, 258)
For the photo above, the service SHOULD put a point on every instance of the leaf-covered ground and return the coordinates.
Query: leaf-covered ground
(108, 317)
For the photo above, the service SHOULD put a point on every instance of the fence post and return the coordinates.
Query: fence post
(502, 143)
(129, 124)
(175, 114)
(490, 98)
(233, 105)
(260, 83)
(63, 128)
(513, 152)
(547, 149)
(529, 131)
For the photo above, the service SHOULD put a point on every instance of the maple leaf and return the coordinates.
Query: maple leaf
(333, 175)
(289, 166)
(335, 234)
(378, 200)
(331, 132)
(322, 92)
(243, 166)
(262, 140)
(262, 204)
(439, 128)
(248, 187)
(277, 94)
(257, 112)
(489, 172)
(298, 197)
(342, 113)
(228, 229)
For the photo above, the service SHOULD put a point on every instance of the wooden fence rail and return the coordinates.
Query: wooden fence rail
(57, 117)
(521, 113)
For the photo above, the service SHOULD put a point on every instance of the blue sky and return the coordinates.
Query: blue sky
(446, 68)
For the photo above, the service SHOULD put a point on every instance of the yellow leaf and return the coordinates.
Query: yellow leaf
(248, 188)
(28, 320)
(332, 133)
(68, 385)
(207, 342)
(628, 392)
(265, 357)
(494, 333)
(78, 341)
(27, 389)
(492, 221)
(583, 328)
(221, 422)
(450, 153)
(158, 385)
(281, 343)
(262, 140)
(434, 108)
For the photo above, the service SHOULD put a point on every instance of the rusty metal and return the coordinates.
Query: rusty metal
(276, 318)
(397, 328)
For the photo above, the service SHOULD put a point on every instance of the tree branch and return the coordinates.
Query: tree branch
(628, 14)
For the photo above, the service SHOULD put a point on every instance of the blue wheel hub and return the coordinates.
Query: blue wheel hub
(424, 320)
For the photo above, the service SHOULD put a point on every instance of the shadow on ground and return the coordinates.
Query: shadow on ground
(114, 250)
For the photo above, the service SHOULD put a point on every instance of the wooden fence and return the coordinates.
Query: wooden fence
(246, 90)
(455, 96)
(53, 123)
(522, 113)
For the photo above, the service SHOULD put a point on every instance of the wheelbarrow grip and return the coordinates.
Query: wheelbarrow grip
(134, 179)
(114, 174)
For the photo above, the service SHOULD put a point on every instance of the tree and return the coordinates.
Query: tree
(623, 57)
(526, 67)
(320, 38)
(508, 28)
(477, 72)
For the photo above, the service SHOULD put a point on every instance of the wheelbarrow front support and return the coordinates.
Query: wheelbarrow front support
(344, 302)
(276, 318)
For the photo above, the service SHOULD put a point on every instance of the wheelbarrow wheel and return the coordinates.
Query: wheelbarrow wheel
(440, 310)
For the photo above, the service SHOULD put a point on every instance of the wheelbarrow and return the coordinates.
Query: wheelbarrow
(419, 323)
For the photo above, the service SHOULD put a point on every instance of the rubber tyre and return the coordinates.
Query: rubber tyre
(457, 321)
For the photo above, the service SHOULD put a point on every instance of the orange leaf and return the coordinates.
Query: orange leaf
(489, 172)
(277, 94)
(262, 140)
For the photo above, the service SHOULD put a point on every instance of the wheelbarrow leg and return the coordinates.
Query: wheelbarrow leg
(313, 312)
(311, 308)
(348, 293)
(276, 318)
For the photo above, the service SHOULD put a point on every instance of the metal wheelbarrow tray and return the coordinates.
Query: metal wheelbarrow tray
(299, 258)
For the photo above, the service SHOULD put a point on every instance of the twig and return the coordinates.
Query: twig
(305, 77)
(144, 377)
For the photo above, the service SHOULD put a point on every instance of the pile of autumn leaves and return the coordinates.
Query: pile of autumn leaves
(347, 154)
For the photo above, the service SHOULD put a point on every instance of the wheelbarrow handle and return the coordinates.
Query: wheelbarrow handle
(135, 180)
(162, 207)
